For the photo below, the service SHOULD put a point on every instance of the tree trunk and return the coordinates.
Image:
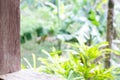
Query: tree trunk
(109, 30)
(9, 36)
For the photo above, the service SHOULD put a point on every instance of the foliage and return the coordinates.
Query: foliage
(70, 21)
(29, 65)
(64, 17)
(81, 63)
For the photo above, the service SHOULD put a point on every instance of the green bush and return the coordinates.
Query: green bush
(78, 63)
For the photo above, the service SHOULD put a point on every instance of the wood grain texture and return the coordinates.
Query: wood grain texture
(29, 75)
(9, 36)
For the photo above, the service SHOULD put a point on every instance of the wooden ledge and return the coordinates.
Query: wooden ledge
(28, 75)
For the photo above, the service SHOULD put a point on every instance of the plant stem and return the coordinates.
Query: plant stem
(109, 36)
(59, 22)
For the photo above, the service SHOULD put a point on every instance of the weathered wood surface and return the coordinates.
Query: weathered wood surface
(9, 36)
(28, 75)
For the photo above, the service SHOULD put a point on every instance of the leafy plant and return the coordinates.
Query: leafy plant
(78, 63)
(60, 17)
(29, 65)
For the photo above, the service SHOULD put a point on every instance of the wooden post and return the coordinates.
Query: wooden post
(9, 36)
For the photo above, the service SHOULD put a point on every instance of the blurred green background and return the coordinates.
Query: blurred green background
(49, 24)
